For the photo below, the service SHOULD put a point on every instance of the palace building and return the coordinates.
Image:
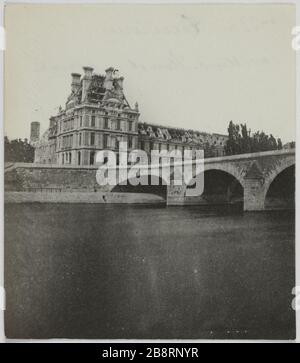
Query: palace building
(97, 116)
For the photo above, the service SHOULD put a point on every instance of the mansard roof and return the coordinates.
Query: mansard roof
(177, 134)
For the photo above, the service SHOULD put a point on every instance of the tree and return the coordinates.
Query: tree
(245, 139)
(240, 140)
(233, 144)
(18, 151)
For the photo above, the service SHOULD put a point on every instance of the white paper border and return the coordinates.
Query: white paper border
(297, 254)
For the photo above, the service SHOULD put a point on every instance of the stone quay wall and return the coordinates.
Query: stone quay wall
(23, 177)
(29, 183)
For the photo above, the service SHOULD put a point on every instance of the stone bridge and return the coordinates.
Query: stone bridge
(243, 178)
(255, 173)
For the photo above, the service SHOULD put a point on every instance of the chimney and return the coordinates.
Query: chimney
(86, 80)
(75, 82)
(34, 131)
(108, 82)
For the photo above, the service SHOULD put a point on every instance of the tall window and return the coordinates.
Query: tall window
(129, 126)
(106, 123)
(105, 138)
(80, 121)
(79, 157)
(118, 124)
(80, 139)
(93, 121)
(86, 120)
(92, 157)
(92, 138)
(130, 142)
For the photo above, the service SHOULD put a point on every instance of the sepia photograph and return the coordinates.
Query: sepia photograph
(149, 171)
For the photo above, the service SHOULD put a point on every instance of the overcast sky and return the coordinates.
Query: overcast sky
(192, 66)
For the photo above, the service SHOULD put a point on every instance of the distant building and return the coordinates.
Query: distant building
(34, 131)
(97, 116)
(45, 148)
(289, 145)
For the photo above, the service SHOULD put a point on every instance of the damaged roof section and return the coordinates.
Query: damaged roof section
(97, 88)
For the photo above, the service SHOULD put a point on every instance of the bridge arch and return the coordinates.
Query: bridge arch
(279, 191)
(221, 186)
(275, 171)
(227, 168)
(159, 187)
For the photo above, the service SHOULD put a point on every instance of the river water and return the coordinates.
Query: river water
(108, 271)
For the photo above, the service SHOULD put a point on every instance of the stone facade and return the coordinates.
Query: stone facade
(97, 116)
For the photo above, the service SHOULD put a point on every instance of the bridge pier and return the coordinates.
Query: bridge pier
(176, 194)
(254, 197)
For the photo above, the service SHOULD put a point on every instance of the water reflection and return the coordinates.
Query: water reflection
(108, 271)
